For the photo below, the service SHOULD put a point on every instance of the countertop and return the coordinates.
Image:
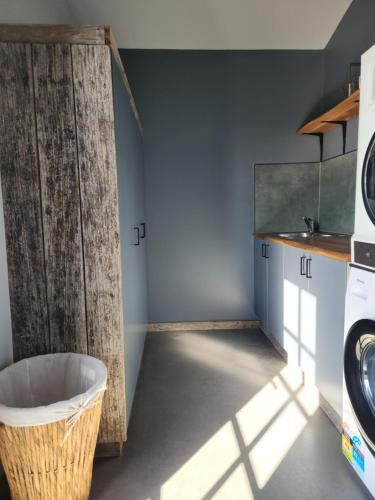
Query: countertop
(335, 246)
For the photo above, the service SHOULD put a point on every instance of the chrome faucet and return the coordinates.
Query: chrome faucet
(312, 225)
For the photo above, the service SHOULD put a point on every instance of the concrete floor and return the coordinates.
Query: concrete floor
(217, 415)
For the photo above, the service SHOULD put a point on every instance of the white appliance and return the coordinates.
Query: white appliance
(364, 227)
(358, 436)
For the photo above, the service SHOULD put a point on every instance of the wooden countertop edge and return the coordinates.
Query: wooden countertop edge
(342, 256)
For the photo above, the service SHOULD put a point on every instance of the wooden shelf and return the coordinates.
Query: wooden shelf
(342, 112)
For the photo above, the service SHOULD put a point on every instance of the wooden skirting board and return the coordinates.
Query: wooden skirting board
(323, 403)
(202, 325)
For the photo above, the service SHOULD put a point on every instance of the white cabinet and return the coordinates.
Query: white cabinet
(275, 270)
(327, 289)
(268, 270)
(294, 291)
(300, 299)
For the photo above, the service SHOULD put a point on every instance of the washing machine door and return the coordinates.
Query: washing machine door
(359, 371)
(368, 180)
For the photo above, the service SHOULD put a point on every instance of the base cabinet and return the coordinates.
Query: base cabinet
(327, 288)
(304, 310)
(276, 291)
(261, 281)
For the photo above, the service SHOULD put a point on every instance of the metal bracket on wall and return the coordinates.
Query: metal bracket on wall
(343, 124)
(320, 135)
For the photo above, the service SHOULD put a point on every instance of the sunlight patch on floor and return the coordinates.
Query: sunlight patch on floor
(236, 487)
(256, 413)
(267, 426)
(205, 468)
(274, 445)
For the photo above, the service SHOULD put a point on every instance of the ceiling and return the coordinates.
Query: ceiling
(215, 24)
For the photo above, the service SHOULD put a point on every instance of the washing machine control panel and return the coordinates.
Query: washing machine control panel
(364, 253)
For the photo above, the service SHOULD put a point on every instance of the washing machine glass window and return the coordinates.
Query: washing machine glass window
(359, 372)
(368, 180)
(367, 370)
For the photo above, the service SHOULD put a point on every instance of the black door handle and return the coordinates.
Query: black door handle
(136, 228)
(265, 251)
(263, 245)
(308, 268)
(143, 227)
(302, 266)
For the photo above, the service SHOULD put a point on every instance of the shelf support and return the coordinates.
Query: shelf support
(343, 124)
(320, 135)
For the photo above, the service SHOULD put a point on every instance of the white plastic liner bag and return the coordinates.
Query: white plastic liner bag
(45, 389)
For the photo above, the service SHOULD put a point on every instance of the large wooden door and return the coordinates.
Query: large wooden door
(59, 184)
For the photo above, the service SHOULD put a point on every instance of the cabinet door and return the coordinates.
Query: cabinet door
(295, 289)
(129, 153)
(260, 280)
(276, 290)
(327, 287)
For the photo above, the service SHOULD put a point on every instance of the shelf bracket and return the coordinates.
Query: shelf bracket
(343, 124)
(320, 135)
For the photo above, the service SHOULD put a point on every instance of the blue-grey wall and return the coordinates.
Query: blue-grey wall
(208, 118)
(353, 36)
(130, 178)
(6, 345)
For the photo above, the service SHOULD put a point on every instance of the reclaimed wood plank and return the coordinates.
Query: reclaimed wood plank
(202, 325)
(53, 33)
(21, 199)
(60, 194)
(100, 220)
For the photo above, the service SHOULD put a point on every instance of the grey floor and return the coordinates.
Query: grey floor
(217, 415)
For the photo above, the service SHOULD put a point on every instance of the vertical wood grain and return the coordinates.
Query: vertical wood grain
(100, 219)
(21, 198)
(54, 105)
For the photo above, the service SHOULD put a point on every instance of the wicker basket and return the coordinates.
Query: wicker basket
(39, 467)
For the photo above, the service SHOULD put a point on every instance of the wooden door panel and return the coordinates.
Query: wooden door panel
(60, 196)
(21, 202)
(100, 226)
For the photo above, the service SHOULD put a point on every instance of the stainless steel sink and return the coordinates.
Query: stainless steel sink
(294, 235)
(309, 235)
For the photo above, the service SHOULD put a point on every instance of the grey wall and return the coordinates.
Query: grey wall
(35, 11)
(353, 36)
(337, 194)
(208, 118)
(130, 178)
(284, 194)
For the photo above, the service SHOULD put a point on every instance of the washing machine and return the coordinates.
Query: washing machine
(358, 426)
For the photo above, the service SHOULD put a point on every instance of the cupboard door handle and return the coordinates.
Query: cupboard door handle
(136, 228)
(263, 245)
(302, 266)
(308, 268)
(266, 251)
(143, 226)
